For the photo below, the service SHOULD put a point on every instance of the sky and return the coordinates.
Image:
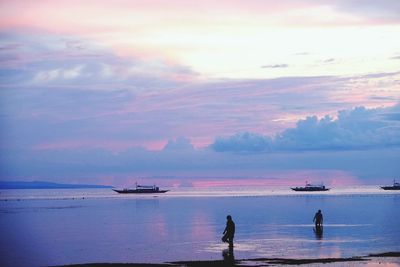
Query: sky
(200, 93)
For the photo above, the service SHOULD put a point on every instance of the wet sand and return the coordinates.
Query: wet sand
(383, 259)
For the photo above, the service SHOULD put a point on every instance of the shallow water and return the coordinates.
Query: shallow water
(50, 227)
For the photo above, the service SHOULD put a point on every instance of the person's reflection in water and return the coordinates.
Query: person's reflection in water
(229, 258)
(319, 231)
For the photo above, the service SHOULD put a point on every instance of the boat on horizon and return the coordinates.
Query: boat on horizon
(141, 189)
(310, 188)
(395, 186)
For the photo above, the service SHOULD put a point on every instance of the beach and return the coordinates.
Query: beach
(184, 227)
(390, 259)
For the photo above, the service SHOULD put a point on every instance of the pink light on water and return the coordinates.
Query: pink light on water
(285, 178)
(236, 182)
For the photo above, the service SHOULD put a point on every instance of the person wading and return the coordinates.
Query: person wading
(229, 231)
(318, 219)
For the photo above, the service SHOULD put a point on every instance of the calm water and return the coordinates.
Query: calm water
(49, 227)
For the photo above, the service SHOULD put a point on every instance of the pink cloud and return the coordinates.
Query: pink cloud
(92, 18)
(111, 145)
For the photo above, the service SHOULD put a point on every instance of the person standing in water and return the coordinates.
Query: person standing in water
(318, 219)
(229, 231)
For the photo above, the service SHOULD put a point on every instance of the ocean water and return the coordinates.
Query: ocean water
(54, 227)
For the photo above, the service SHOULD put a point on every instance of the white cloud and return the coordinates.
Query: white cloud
(72, 73)
(58, 74)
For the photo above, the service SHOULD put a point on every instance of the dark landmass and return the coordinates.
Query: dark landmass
(252, 262)
(387, 254)
(45, 185)
(120, 265)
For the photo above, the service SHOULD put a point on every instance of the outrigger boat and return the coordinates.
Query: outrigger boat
(141, 189)
(395, 186)
(310, 188)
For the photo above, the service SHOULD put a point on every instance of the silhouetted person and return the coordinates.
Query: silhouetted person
(229, 231)
(318, 230)
(318, 219)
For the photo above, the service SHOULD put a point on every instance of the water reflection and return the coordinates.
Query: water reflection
(228, 256)
(201, 229)
(318, 231)
(147, 203)
(137, 229)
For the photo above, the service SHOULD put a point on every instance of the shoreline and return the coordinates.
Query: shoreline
(381, 259)
(6, 195)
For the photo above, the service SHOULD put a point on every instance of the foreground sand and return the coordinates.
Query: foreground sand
(390, 259)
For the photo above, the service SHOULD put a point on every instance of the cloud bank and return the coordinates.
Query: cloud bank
(359, 128)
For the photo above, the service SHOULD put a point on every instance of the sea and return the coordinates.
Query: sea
(72, 226)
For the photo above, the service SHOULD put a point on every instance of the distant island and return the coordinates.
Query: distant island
(46, 185)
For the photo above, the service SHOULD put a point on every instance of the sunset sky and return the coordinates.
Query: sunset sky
(200, 93)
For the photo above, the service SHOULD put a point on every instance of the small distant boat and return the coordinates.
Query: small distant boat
(141, 189)
(310, 188)
(395, 186)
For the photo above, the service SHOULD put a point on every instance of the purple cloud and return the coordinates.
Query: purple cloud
(359, 128)
(94, 165)
(275, 66)
(242, 142)
(329, 60)
(178, 144)
(40, 60)
(385, 11)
